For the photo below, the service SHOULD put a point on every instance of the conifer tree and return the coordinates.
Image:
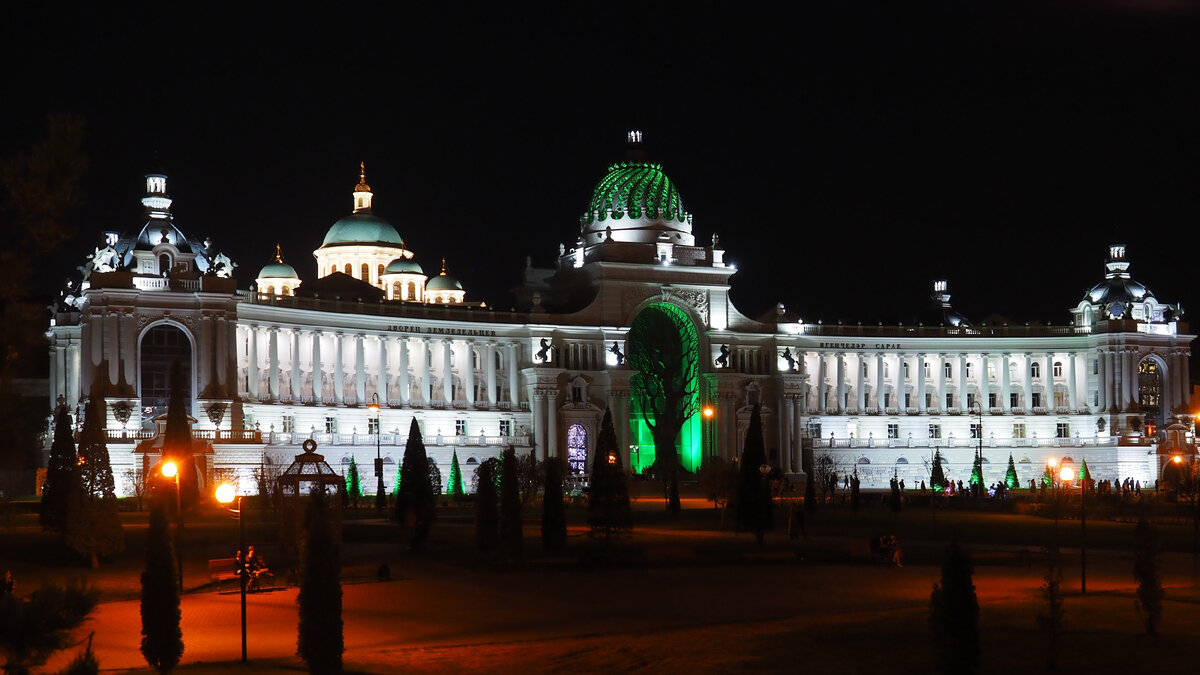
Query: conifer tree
(93, 526)
(414, 494)
(487, 515)
(34, 627)
(456, 483)
(320, 641)
(1010, 477)
(162, 639)
(353, 483)
(954, 614)
(753, 499)
(1085, 476)
(976, 479)
(511, 527)
(937, 478)
(57, 488)
(554, 514)
(177, 439)
(1146, 572)
(608, 500)
(435, 477)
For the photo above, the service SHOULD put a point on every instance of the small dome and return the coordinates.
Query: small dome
(443, 282)
(362, 228)
(404, 266)
(278, 269)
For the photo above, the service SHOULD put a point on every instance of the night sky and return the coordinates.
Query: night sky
(846, 157)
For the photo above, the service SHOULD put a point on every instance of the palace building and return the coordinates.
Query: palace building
(350, 358)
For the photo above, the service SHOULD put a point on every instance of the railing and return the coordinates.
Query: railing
(214, 435)
(992, 442)
(392, 440)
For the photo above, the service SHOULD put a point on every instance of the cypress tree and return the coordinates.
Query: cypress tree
(456, 483)
(162, 639)
(554, 514)
(414, 494)
(435, 477)
(511, 533)
(976, 479)
(1146, 572)
(1010, 476)
(93, 526)
(954, 614)
(608, 500)
(177, 439)
(487, 516)
(56, 489)
(937, 478)
(353, 483)
(753, 499)
(320, 641)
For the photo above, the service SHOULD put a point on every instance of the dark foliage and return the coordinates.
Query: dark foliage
(177, 439)
(937, 477)
(487, 513)
(954, 614)
(511, 534)
(554, 514)
(1148, 576)
(414, 495)
(93, 526)
(162, 639)
(608, 499)
(810, 492)
(320, 642)
(754, 496)
(33, 628)
(718, 480)
(435, 478)
(55, 491)
(83, 664)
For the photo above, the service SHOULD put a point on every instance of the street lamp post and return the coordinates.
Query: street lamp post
(171, 470)
(225, 495)
(380, 498)
(709, 414)
(1067, 476)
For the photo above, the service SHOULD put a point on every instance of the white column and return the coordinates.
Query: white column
(514, 394)
(129, 349)
(112, 343)
(1102, 380)
(900, 382)
(382, 386)
(786, 447)
(318, 372)
(339, 378)
(273, 362)
(469, 374)
(447, 372)
(1048, 381)
(798, 433)
(203, 358)
(821, 388)
(74, 364)
(985, 381)
(1072, 383)
(491, 375)
(841, 383)
(941, 380)
(1005, 384)
(405, 387)
(295, 370)
(879, 382)
(860, 367)
(360, 370)
(539, 421)
(223, 349)
(962, 382)
(426, 385)
(921, 382)
(1027, 399)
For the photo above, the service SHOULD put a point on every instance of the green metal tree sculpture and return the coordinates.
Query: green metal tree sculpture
(1010, 477)
(977, 472)
(353, 483)
(663, 347)
(456, 483)
(937, 477)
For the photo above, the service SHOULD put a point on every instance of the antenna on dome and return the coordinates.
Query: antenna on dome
(443, 267)
(633, 146)
(278, 254)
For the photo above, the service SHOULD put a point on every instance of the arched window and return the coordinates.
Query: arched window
(412, 291)
(347, 270)
(164, 263)
(366, 272)
(906, 369)
(1058, 369)
(163, 345)
(886, 368)
(1035, 369)
(397, 290)
(270, 291)
(287, 290)
(577, 448)
(380, 274)
(970, 369)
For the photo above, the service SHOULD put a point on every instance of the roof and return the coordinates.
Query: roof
(362, 228)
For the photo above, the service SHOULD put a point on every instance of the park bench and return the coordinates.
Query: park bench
(220, 569)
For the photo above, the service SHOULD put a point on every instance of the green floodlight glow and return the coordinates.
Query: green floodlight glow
(663, 343)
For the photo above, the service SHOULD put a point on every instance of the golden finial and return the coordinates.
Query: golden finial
(278, 254)
(443, 267)
(362, 178)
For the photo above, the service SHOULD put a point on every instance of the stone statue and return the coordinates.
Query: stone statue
(791, 360)
(723, 360)
(543, 354)
(616, 349)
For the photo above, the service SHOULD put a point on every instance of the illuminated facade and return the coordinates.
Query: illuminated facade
(296, 359)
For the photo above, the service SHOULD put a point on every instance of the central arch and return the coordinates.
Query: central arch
(162, 345)
(663, 345)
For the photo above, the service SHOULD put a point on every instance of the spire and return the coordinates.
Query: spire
(278, 254)
(443, 267)
(633, 146)
(362, 191)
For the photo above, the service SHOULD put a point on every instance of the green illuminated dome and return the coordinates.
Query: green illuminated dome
(635, 190)
(362, 228)
(404, 266)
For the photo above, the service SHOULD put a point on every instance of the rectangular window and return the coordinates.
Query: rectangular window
(993, 400)
(949, 400)
(1095, 366)
(289, 424)
(1063, 430)
(331, 425)
(893, 431)
(1060, 399)
(506, 427)
(1037, 400)
(1019, 430)
(1095, 399)
(935, 431)
(814, 429)
(991, 371)
(887, 400)
(929, 400)
(971, 401)
(247, 420)
(577, 394)
(460, 427)
(373, 425)
(1014, 400)
(976, 430)
(908, 400)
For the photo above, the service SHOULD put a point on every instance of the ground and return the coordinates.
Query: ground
(680, 594)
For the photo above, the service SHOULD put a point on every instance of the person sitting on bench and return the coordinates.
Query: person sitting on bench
(256, 568)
